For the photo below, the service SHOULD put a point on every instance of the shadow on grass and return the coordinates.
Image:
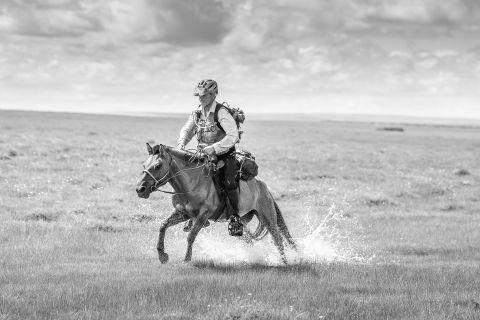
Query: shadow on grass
(303, 267)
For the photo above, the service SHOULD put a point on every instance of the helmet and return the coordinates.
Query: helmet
(206, 86)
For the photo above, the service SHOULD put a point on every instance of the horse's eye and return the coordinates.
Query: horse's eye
(157, 166)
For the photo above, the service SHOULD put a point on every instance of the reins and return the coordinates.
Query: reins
(159, 182)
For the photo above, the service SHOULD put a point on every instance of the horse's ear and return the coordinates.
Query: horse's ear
(149, 148)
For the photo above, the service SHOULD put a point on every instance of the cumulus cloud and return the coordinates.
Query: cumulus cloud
(447, 12)
(139, 50)
(53, 18)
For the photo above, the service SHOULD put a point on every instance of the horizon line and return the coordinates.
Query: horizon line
(280, 116)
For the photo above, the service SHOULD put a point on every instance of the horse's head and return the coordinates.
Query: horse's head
(155, 170)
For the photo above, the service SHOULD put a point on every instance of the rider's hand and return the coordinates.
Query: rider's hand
(209, 150)
(180, 146)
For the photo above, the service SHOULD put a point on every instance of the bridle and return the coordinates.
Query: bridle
(159, 182)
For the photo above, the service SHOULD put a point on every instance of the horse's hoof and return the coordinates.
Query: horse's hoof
(188, 226)
(163, 257)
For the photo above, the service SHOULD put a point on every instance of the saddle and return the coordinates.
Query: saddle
(247, 169)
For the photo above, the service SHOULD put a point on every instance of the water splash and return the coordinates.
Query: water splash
(325, 241)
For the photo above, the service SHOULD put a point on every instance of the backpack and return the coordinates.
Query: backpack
(236, 113)
(248, 168)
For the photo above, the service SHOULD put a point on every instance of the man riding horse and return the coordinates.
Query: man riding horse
(217, 133)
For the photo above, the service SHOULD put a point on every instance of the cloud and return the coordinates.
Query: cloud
(174, 22)
(424, 12)
(177, 23)
(136, 51)
(188, 22)
(46, 19)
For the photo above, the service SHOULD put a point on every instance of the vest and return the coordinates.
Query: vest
(208, 130)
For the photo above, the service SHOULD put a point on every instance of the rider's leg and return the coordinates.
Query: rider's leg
(230, 180)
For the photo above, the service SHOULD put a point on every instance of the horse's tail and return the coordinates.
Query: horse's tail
(283, 226)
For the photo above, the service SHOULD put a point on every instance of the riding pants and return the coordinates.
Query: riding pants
(229, 178)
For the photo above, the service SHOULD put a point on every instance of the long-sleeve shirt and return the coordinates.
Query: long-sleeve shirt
(224, 118)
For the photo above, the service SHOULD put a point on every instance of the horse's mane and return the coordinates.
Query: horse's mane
(184, 155)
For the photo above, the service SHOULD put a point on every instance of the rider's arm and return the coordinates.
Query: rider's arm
(188, 131)
(230, 127)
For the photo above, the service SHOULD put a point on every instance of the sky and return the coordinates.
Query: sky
(401, 57)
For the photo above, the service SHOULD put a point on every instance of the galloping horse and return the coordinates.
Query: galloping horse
(196, 197)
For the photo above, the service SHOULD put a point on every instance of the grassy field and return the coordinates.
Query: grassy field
(388, 223)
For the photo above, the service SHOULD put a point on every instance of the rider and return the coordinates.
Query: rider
(216, 139)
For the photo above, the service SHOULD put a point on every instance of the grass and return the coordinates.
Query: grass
(77, 243)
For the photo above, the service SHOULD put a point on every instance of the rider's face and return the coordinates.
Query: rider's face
(206, 99)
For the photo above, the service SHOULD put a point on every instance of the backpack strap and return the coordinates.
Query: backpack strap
(197, 113)
(215, 115)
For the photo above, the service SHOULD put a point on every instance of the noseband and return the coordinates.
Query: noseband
(159, 182)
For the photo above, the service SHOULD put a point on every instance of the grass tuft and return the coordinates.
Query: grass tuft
(40, 217)
(397, 129)
(461, 172)
(105, 228)
(375, 201)
(143, 218)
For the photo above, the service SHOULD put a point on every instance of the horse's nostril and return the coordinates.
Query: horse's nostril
(141, 189)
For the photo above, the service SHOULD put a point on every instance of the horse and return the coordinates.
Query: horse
(196, 198)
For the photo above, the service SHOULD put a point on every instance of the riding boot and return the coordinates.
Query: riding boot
(235, 226)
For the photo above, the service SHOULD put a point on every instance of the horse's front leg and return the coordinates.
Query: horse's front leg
(177, 217)
(197, 226)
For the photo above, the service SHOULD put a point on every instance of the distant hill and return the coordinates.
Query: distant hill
(312, 117)
(299, 117)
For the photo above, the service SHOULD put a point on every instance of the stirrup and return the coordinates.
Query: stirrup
(235, 227)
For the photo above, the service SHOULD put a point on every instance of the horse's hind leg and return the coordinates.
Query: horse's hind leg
(245, 219)
(283, 228)
(175, 218)
(270, 222)
(277, 239)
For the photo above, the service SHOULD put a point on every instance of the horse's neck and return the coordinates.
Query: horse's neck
(187, 176)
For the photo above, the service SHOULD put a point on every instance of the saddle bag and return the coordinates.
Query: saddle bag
(248, 168)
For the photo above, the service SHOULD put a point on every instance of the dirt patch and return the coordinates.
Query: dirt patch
(461, 172)
(142, 218)
(313, 177)
(397, 129)
(40, 217)
(378, 201)
(468, 304)
(105, 228)
(78, 212)
(451, 207)
(97, 186)
(422, 251)
(427, 190)
(74, 181)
